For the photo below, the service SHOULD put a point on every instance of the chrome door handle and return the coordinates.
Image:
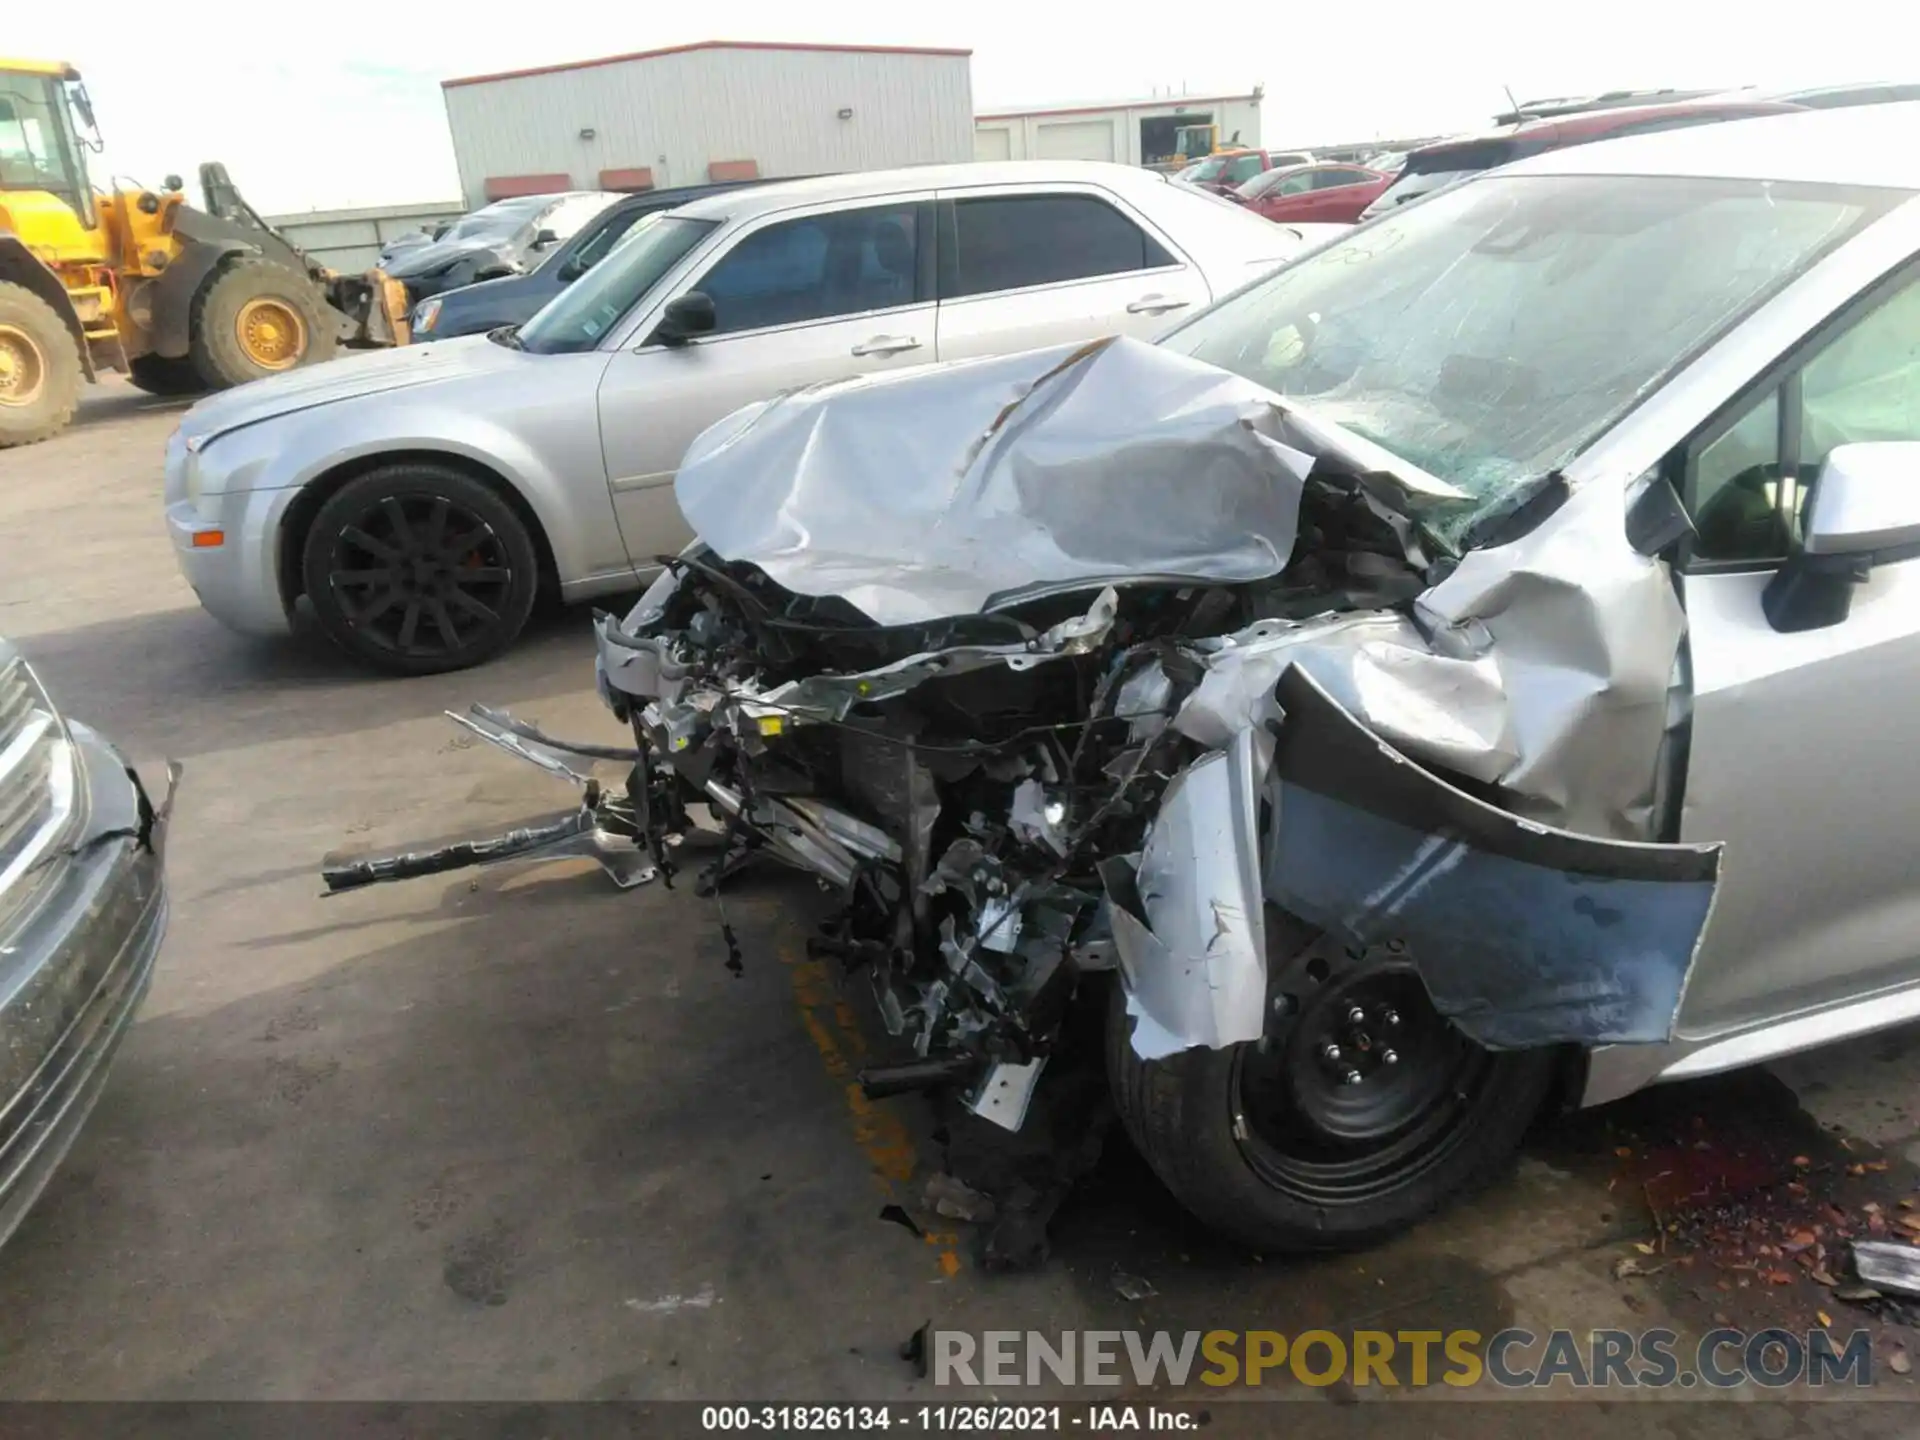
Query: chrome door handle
(1156, 305)
(887, 345)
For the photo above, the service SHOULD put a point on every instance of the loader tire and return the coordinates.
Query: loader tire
(165, 375)
(254, 318)
(40, 369)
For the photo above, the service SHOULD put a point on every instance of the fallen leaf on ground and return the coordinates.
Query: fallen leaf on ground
(1643, 1247)
(1898, 1361)
(1823, 1317)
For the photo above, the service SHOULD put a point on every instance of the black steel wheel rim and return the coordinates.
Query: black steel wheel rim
(1359, 1088)
(420, 575)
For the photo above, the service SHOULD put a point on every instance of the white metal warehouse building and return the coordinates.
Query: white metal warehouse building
(1133, 132)
(717, 110)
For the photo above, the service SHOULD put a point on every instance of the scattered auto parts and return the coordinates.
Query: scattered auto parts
(1087, 705)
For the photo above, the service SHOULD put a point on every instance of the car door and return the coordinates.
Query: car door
(799, 297)
(1331, 195)
(1026, 266)
(1799, 754)
(1288, 199)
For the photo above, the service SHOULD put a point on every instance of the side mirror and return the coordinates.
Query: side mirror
(546, 238)
(1863, 510)
(686, 316)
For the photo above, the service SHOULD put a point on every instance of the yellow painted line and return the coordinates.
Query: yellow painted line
(835, 1031)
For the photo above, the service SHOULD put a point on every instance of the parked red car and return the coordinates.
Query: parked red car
(1329, 193)
(1437, 166)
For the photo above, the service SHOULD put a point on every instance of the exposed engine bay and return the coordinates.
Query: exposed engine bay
(1102, 659)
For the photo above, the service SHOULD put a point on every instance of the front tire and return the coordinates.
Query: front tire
(40, 370)
(417, 569)
(255, 318)
(1277, 1145)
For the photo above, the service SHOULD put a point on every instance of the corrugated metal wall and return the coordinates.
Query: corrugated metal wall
(350, 240)
(678, 113)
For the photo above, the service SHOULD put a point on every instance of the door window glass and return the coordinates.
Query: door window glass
(31, 155)
(1865, 385)
(595, 247)
(1736, 482)
(815, 268)
(1008, 242)
(1243, 168)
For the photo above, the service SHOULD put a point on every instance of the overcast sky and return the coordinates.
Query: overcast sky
(339, 104)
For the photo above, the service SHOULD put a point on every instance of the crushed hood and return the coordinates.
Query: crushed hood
(351, 377)
(959, 488)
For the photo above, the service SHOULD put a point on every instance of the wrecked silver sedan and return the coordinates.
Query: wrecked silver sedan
(1457, 670)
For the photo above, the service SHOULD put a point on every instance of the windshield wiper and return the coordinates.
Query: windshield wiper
(507, 335)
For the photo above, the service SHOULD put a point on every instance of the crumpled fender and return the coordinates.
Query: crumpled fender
(1525, 935)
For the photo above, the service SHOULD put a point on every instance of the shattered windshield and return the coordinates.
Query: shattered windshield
(1489, 334)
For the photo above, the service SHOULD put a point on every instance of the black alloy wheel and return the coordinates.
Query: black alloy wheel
(418, 569)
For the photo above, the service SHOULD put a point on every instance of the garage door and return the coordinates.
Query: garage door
(994, 144)
(1076, 140)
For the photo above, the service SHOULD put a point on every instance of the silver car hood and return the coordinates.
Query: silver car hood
(351, 377)
(958, 488)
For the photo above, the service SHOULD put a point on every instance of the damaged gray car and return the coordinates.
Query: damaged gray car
(1460, 670)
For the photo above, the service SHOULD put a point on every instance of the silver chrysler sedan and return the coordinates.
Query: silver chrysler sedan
(1469, 665)
(422, 498)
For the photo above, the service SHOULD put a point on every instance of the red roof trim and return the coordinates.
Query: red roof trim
(700, 45)
(1116, 107)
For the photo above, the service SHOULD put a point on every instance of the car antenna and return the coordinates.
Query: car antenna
(1517, 116)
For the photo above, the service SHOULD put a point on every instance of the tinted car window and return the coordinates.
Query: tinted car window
(815, 268)
(1261, 184)
(580, 316)
(1008, 242)
(1334, 179)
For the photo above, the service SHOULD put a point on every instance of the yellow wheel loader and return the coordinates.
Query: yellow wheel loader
(178, 299)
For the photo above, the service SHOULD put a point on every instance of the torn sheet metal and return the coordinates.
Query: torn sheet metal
(830, 697)
(1005, 1091)
(1542, 666)
(1450, 711)
(809, 834)
(1189, 925)
(584, 832)
(1525, 935)
(939, 492)
(1584, 632)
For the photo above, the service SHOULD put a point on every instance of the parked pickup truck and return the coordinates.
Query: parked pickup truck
(1225, 169)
